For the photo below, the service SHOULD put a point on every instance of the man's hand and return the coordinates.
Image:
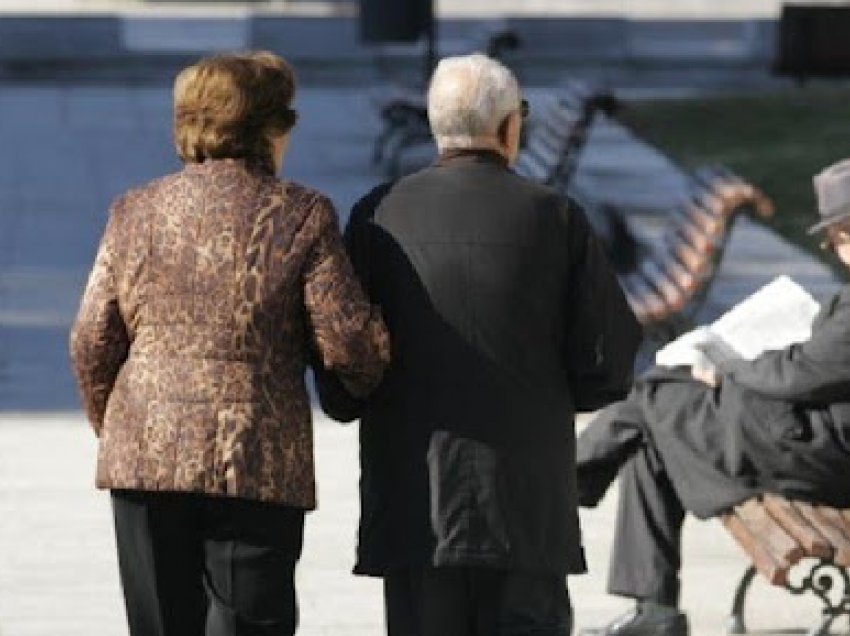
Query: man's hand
(706, 375)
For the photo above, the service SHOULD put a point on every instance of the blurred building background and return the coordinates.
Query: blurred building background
(724, 43)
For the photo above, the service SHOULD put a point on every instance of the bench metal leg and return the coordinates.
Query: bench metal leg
(831, 584)
(407, 138)
(823, 628)
(380, 142)
(735, 623)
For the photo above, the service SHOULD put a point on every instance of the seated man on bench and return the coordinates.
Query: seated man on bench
(701, 443)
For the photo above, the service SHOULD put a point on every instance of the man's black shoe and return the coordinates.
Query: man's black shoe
(637, 623)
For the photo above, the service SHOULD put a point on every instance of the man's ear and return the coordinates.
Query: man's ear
(502, 131)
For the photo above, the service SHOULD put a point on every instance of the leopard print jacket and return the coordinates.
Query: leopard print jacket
(211, 291)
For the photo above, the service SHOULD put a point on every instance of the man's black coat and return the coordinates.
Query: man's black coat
(780, 424)
(505, 317)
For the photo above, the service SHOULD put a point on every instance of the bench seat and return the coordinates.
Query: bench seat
(776, 534)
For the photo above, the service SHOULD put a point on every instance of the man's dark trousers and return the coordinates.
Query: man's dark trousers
(475, 601)
(193, 565)
(646, 554)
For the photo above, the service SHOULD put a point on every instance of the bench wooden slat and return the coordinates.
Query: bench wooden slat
(639, 308)
(763, 205)
(837, 521)
(734, 190)
(689, 220)
(715, 203)
(559, 121)
(711, 203)
(730, 191)
(548, 139)
(833, 534)
(694, 262)
(837, 518)
(695, 237)
(781, 545)
(708, 222)
(531, 167)
(647, 297)
(660, 280)
(687, 281)
(784, 512)
(767, 527)
(764, 562)
(540, 150)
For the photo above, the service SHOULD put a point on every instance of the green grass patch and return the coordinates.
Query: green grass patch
(777, 141)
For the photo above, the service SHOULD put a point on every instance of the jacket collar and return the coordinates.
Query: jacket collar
(469, 156)
(226, 165)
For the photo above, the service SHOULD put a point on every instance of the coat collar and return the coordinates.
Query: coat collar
(464, 156)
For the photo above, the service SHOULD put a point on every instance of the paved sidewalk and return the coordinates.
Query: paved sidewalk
(58, 574)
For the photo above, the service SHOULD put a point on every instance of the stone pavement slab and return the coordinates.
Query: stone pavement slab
(58, 573)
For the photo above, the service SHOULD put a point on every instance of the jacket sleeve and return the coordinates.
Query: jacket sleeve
(603, 334)
(335, 401)
(99, 341)
(350, 337)
(816, 371)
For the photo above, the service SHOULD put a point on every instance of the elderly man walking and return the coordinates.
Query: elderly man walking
(505, 318)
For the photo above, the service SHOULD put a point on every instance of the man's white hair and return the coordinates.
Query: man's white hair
(469, 97)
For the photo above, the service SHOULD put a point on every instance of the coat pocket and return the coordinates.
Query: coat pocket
(466, 515)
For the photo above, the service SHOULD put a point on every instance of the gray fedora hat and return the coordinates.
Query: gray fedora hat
(832, 189)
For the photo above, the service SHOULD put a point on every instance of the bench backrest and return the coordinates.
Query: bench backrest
(555, 137)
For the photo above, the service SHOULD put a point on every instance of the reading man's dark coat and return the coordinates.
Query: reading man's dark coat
(780, 423)
(505, 318)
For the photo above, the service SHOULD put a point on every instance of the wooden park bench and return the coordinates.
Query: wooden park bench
(665, 280)
(777, 534)
(404, 117)
(554, 137)
(671, 276)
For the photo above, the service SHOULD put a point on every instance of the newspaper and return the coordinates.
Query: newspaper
(777, 315)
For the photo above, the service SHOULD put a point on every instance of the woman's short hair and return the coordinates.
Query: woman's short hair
(469, 98)
(228, 106)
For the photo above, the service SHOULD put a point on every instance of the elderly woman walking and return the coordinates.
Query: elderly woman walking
(211, 289)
